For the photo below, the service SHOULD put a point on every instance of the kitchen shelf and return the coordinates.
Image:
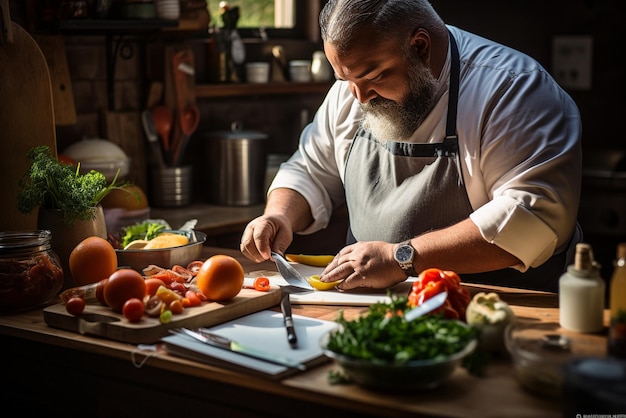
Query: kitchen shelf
(244, 89)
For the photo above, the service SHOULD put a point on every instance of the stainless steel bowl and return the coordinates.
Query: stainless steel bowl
(163, 257)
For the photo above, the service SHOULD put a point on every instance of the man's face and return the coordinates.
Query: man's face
(396, 92)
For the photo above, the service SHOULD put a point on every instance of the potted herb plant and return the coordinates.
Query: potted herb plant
(68, 202)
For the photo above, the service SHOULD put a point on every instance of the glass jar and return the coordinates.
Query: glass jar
(30, 271)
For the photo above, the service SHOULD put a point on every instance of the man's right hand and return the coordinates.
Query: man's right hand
(265, 234)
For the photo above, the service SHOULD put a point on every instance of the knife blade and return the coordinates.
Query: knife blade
(285, 307)
(427, 306)
(225, 343)
(290, 274)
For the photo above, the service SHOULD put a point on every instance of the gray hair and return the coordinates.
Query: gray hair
(342, 21)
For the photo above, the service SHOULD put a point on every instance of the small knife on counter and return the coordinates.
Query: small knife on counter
(227, 344)
(285, 307)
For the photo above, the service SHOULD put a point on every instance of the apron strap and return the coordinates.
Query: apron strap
(453, 91)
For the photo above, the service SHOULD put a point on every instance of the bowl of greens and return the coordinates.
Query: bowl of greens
(153, 242)
(381, 350)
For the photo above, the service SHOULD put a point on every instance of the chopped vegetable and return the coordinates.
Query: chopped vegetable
(433, 281)
(396, 340)
(489, 315)
(262, 284)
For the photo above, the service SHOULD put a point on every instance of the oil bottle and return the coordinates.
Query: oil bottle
(581, 293)
(617, 304)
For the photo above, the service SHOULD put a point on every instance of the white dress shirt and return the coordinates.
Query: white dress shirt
(519, 138)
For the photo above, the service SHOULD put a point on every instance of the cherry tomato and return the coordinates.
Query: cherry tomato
(166, 316)
(262, 284)
(191, 299)
(75, 306)
(133, 309)
(152, 285)
(195, 266)
(176, 306)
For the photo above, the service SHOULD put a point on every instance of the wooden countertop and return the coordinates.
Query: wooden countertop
(496, 394)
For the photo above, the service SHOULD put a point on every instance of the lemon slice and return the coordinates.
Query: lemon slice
(167, 240)
(137, 244)
(315, 281)
(310, 260)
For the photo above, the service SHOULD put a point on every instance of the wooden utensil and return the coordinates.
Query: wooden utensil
(163, 119)
(189, 124)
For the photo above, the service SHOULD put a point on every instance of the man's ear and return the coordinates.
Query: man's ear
(420, 43)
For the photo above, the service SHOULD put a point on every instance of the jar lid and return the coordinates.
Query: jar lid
(16, 242)
(237, 132)
(548, 343)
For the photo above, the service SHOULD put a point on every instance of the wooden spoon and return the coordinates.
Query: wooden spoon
(163, 119)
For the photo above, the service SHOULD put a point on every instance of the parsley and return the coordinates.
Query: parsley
(50, 184)
(394, 340)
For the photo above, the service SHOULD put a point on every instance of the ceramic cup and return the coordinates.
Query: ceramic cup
(300, 71)
(257, 72)
(321, 69)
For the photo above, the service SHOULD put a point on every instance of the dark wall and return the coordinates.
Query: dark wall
(530, 26)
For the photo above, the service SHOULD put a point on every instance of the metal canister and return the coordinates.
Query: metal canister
(238, 160)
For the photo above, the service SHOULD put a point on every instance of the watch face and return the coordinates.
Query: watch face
(404, 253)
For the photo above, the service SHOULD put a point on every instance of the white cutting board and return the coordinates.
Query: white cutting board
(357, 297)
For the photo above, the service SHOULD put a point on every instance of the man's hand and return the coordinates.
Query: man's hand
(264, 234)
(365, 264)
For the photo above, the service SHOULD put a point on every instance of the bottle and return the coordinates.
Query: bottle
(581, 293)
(617, 304)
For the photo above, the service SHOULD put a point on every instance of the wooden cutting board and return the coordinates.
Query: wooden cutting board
(102, 321)
(26, 118)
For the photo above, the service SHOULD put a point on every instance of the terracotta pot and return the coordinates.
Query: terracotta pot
(65, 238)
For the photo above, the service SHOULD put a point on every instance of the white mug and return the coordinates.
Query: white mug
(320, 67)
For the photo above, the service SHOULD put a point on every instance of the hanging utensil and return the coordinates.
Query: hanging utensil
(153, 137)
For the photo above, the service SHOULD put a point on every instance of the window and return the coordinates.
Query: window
(271, 18)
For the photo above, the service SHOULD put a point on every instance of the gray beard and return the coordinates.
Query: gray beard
(392, 121)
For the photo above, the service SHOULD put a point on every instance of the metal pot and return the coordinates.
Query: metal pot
(238, 161)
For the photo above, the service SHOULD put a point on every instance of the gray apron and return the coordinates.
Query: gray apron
(396, 191)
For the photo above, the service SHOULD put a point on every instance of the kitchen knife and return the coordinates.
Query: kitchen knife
(224, 343)
(285, 307)
(290, 274)
(427, 306)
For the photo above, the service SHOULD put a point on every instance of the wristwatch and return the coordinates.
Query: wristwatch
(405, 255)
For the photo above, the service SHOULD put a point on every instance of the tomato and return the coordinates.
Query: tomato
(122, 285)
(152, 285)
(195, 266)
(176, 306)
(191, 299)
(262, 284)
(220, 278)
(75, 306)
(166, 316)
(177, 287)
(100, 291)
(133, 309)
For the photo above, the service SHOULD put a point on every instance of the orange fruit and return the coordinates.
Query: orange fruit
(92, 260)
(220, 278)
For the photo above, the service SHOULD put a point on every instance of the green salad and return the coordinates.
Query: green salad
(383, 335)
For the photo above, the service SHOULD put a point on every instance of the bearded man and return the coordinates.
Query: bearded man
(449, 150)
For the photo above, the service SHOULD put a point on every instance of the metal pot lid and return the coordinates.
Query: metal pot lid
(237, 132)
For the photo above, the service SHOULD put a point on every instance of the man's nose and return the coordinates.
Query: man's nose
(362, 92)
